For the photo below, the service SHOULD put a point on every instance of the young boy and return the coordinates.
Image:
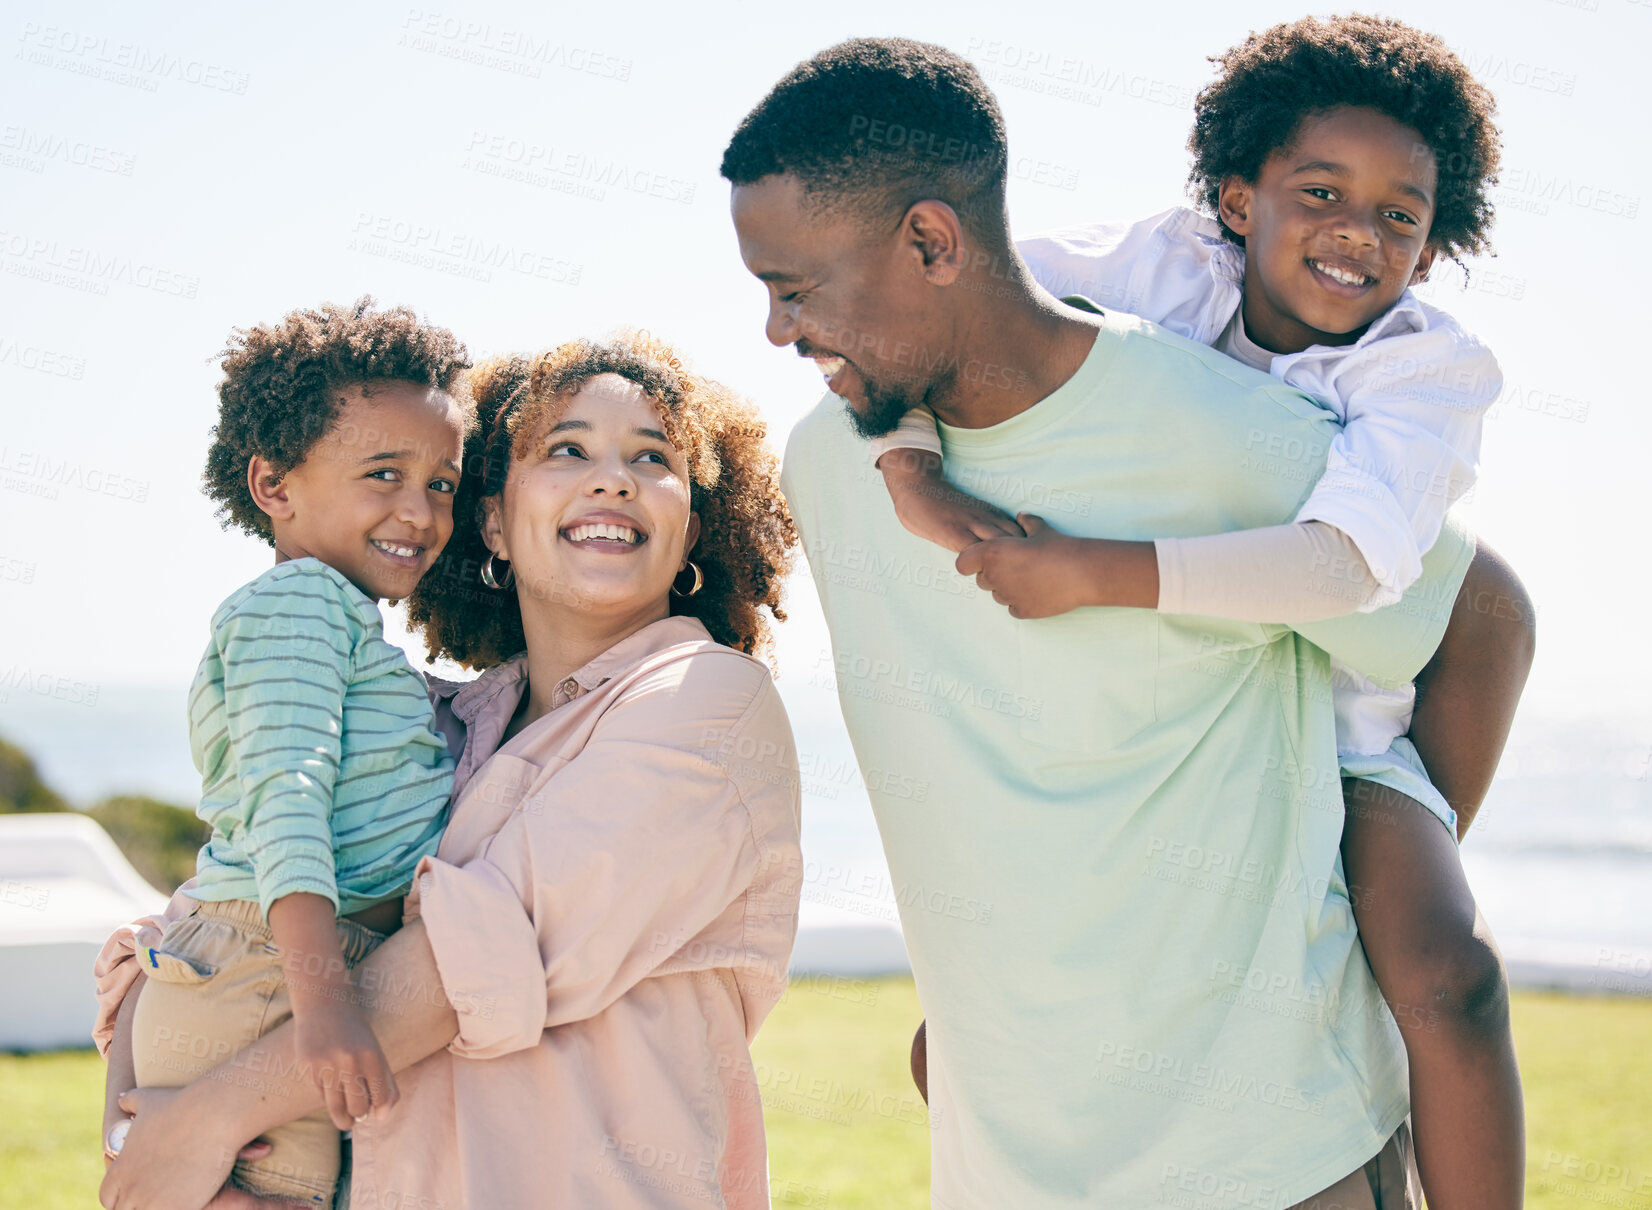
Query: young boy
(338, 443)
(1340, 158)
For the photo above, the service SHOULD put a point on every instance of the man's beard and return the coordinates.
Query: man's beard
(884, 408)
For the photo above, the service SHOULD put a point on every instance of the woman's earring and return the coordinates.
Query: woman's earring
(699, 582)
(491, 578)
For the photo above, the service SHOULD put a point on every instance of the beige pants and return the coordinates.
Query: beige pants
(1388, 1181)
(215, 985)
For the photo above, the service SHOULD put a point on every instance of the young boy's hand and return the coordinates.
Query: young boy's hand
(933, 509)
(1048, 573)
(338, 1049)
(335, 1044)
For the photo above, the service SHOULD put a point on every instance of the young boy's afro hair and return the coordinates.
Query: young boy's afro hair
(280, 392)
(1273, 80)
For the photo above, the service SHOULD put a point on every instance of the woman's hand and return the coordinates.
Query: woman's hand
(169, 1158)
(338, 1050)
(228, 1197)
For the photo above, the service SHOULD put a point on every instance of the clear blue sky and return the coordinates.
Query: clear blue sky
(168, 172)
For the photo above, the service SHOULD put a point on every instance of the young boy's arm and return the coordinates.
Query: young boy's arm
(287, 654)
(333, 1040)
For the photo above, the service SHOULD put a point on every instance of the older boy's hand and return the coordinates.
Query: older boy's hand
(933, 509)
(1048, 573)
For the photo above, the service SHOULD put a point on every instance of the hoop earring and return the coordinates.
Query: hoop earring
(699, 581)
(491, 578)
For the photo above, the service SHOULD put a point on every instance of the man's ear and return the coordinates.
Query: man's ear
(1234, 202)
(1425, 262)
(270, 491)
(933, 229)
(493, 526)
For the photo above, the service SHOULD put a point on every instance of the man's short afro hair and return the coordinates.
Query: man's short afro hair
(280, 392)
(1273, 80)
(875, 124)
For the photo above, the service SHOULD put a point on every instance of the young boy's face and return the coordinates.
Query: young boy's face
(1336, 227)
(373, 498)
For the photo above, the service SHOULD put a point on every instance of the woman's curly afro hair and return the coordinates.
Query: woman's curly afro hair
(747, 540)
(282, 384)
(1273, 80)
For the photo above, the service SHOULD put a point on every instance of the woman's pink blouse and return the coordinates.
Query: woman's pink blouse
(612, 909)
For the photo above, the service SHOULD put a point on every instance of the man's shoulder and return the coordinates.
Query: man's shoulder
(1147, 347)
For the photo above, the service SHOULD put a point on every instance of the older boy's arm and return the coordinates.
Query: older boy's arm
(1467, 693)
(929, 506)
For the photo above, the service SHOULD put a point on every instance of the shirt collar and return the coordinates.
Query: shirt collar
(501, 687)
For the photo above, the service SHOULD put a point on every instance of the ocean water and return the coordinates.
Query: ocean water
(1560, 858)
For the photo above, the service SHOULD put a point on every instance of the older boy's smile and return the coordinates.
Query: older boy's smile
(1354, 280)
(1335, 227)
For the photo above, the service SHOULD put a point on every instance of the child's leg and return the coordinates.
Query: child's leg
(1442, 976)
(214, 986)
(1467, 694)
(304, 1154)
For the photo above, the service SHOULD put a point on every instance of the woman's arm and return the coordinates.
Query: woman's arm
(180, 1153)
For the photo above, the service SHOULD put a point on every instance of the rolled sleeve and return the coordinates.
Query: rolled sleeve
(1363, 507)
(492, 976)
(1409, 448)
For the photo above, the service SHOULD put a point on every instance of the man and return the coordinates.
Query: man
(1121, 894)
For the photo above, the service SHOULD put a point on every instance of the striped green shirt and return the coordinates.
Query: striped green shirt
(321, 768)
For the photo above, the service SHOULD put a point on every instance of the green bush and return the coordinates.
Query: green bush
(20, 786)
(158, 838)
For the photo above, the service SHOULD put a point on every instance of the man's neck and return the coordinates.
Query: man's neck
(1015, 347)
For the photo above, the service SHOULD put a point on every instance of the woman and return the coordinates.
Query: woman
(584, 963)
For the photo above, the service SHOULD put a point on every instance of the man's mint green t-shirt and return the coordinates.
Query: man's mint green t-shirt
(1120, 887)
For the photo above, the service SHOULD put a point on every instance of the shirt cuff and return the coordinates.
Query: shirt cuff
(916, 431)
(1365, 509)
(289, 868)
(487, 952)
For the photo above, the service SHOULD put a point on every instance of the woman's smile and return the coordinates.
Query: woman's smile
(605, 532)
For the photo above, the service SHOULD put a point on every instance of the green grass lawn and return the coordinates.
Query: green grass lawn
(847, 1130)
